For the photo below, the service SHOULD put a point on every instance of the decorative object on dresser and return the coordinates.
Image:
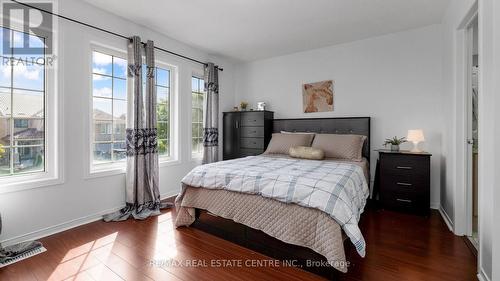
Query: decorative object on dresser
(395, 142)
(261, 106)
(243, 105)
(246, 133)
(415, 136)
(404, 179)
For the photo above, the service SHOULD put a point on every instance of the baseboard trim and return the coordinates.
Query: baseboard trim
(51, 230)
(446, 218)
(482, 276)
(169, 196)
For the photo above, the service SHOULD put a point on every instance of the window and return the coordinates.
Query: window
(163, 83)
(109, 97)
(198, 89)
(22, 107)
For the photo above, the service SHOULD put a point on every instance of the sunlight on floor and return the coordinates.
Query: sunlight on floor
(165, 247)
(85, 262)
(106, 257)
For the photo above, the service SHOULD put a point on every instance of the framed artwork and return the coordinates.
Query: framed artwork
(318, 96)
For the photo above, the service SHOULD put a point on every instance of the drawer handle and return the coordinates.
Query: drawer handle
(404, 167)
(404, 184)
(403, 200)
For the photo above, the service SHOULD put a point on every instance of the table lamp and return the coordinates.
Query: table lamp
(415, 136)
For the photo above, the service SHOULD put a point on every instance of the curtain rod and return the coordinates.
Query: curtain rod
(109, 32)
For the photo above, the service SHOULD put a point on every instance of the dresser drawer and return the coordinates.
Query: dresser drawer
(406, 201)
(252, 119)
(403, 182)
(404, 165)
(252, 132)
(244, 152)
(257, 143)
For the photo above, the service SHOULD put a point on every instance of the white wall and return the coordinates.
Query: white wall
(395, 79)
(36, 212)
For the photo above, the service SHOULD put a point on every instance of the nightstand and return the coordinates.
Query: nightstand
(404, 181)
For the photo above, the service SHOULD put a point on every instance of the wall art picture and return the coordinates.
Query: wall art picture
(318, 96)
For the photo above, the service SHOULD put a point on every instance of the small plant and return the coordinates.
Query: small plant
(243, 105)
(394, 141)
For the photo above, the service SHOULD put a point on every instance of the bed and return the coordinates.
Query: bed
(304, 212)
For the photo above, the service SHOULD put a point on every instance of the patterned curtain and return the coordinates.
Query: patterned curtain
(211, 114)
(142, 190)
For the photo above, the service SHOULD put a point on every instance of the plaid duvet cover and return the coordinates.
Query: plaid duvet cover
(336, 188)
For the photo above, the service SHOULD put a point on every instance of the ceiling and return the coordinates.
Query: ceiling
(248, 30)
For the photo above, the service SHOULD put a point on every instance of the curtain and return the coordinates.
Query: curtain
(142, 190)
(211, 114)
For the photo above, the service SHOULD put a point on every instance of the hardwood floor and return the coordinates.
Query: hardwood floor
(399, 247)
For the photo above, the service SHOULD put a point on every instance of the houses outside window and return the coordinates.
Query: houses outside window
(109, 110)
(22, 108)
(109, 114)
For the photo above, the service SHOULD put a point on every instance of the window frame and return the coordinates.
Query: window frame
(113, 167)
(194, 155)
(53, 172)
(119, 167)
(173, 108)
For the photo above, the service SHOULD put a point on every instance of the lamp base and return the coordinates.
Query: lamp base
(415, 148)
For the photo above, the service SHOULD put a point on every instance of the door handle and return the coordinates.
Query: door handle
(470, 141)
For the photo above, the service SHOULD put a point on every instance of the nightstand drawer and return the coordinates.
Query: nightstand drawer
(405, 201)
(252, 132)
(404, 165)
(252, 143)
(403, 182)
(252, 119)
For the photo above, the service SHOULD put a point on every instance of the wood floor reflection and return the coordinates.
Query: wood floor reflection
(400, 247)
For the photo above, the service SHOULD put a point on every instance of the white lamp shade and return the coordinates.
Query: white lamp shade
(415, 136)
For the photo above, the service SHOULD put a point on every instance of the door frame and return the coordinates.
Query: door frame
(469, 36)
(463, 200)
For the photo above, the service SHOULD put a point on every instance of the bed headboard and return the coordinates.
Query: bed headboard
(339, 125)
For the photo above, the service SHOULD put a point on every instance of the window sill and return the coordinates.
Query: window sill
(113, 170)
(106, 172)
(25, 182)
(169, 162)
(197, 158)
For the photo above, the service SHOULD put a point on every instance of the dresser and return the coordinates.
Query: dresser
(246, 133)
(404, 181)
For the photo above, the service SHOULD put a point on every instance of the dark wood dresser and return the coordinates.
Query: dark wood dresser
(246, 133)
(404, 181)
